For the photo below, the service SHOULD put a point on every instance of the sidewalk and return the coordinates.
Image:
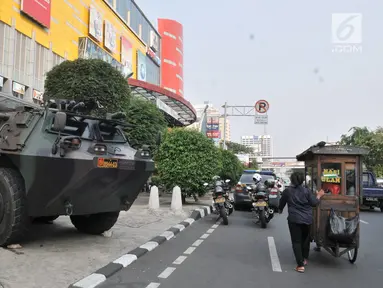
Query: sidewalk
(56, 255)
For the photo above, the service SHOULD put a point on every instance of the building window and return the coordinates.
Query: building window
(152, 72)
(40, 65)
(18, 90)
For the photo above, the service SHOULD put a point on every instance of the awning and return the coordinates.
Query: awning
(185, 110)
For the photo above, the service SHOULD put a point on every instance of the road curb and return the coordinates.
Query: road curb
(125, 260)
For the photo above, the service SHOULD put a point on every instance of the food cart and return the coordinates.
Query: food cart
(338, 170)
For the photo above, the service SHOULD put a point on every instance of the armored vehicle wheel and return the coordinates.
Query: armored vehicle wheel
(14, 220)
(95, 223)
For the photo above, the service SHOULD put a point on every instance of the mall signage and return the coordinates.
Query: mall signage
(38, 10)
(153, 56)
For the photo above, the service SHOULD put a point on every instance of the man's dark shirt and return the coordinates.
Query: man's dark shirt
(299, 201)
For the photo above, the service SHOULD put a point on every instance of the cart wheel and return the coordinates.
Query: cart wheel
(352, 255)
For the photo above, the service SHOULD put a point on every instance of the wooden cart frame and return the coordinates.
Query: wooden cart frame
(344, 165)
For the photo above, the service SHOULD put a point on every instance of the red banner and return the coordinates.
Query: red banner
(213, 134)
(39, 10)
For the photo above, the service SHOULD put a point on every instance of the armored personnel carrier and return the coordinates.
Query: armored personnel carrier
(56, 160)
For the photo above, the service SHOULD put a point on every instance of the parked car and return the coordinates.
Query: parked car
(372, 195)
(241, 195)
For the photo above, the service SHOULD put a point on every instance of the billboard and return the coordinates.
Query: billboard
(212, 120)
(126, 56)
(38, 10)
(141, 66)
(212, 126)
(110, 41)
(95, 23)
(213, 134)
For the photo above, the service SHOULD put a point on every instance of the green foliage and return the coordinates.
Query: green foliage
(232, 168)
(237, 148)
(188, 159)
(89, 80)
(147, 121)
(253, 165)
(373, 140)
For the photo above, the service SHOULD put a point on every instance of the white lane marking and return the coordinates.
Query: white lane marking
(189, 250)
(90, 281)
(215, 226)
(210, 231)
(166, 273)
(274, 255)
(149, 245)
(168, 235)
(208, 209)
(189, 220)
(179, 227)
(202, 212)
(364, 222)
(204, 236)
(197, 242)
(126, 260)
(179, 260)
(153, 285)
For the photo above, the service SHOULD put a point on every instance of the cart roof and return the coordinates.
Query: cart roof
(322, 149)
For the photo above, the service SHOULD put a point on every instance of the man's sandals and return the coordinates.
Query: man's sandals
(302, 268)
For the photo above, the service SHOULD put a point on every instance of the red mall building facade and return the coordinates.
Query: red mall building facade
(171, 92)
(171, 55)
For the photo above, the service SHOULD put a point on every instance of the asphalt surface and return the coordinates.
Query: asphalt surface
(242, 254)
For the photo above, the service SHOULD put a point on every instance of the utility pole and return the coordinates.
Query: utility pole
(224, 126)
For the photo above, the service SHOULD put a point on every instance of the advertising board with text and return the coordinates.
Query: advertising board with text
(212, 120)
(38, 10)
(212, 126)
(213, 134)
(110, 41)
(126, 56)
(141, 66)
(95, 23)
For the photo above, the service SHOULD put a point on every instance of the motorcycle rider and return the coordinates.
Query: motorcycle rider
(257, 178)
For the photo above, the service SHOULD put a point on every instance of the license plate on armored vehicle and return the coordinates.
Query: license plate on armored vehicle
(107, 163)
(260, 204)
(371, 199)
(220, 200)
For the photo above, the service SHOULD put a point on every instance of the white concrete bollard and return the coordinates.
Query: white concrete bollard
(154, 199)
(176, 199)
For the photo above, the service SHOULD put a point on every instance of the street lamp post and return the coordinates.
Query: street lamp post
(224, 126)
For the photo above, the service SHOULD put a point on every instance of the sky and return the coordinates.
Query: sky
(281, 51)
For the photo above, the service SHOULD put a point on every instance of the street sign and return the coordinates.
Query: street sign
(262, 119)
(262, 106)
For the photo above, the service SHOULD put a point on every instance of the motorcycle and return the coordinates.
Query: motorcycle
(262, 212)
(222, 203)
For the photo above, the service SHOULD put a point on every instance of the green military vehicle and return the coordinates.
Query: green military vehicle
(57, 160)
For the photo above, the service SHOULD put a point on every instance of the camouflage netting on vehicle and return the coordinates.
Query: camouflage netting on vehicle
(89, 81)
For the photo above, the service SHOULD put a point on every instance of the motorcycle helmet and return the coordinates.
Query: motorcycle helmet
(257, 178)
(218, 183)
(218, 189)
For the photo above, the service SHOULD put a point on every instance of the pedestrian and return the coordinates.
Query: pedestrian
(300, 201)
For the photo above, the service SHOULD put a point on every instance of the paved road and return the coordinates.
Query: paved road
(212, 255)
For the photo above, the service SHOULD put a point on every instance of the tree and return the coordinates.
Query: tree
(89, 80)
(253, 165)
(232, 168)
(237, 148)
(146, 122)
(373, 140)
(188, 159)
